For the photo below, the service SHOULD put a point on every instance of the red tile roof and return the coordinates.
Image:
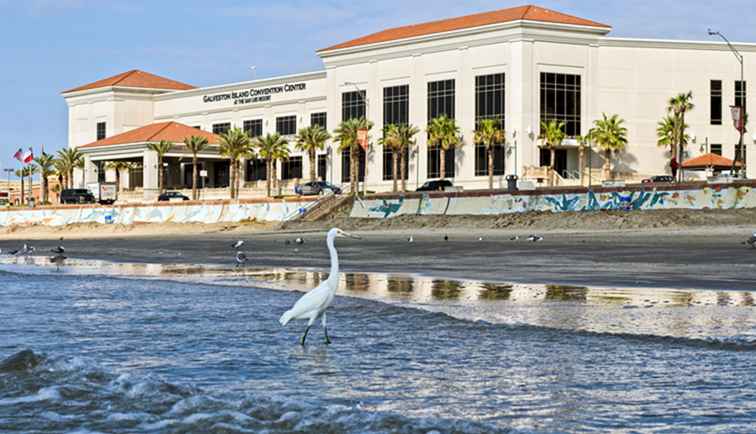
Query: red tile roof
(525, 13)
(708, 160)
(135, 78)
(170, 131)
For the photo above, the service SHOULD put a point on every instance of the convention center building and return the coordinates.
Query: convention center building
(520, 66)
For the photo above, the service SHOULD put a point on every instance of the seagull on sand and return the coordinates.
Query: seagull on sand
(751, 241)
(314, 304)
(535, 238)
(237, 244)
(241, 259)
(60, 249)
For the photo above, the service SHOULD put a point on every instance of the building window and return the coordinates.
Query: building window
(253, 128)
(345, 165)
(198, 127)
(441, 97)
(257, 170)
(286, 125)
(101, 130)
(395, 111)
(489, 104)
(322, 167)
(221, 128)
(716, 102)
(740, 93)
(353, 105)
(715, 149)
(560, 100)
(291, 168)
(320, 119)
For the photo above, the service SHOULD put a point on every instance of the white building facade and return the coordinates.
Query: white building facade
(521, 66)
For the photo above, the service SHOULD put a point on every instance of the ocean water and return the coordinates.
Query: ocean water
(92, 353)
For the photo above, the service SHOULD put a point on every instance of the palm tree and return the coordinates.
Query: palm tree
(444, 133)
(390, 140)
(21, 173)
(118, 166)
(160, 149)
(678, 106)
(583, 145)
(62, 172)
(610, 136)
(346, 135)
(552, 134)
(311, 139)
(45, 167)
(235, 144)
(490, 134)
(271, 147)
(71, 158)
(407, 140)
(195, 144)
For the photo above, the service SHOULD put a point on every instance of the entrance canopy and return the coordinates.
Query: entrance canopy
(709, 161)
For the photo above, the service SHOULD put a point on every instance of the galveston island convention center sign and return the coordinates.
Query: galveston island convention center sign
(255, 95)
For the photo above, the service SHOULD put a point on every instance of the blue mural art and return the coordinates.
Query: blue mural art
(387, 208)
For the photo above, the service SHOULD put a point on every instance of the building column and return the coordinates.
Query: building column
(150, 175)
(90, 171)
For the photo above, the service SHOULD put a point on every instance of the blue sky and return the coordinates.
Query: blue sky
(51, 45)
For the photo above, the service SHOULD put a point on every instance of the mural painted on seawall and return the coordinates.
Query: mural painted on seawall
(208, 213)
(706, 198)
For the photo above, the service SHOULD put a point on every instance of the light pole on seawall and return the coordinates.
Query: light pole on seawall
(740, 112)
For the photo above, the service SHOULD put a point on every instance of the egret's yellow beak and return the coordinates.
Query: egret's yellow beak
(353, 236)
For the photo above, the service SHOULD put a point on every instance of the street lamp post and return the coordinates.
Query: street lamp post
(367, 150)
(740, 122)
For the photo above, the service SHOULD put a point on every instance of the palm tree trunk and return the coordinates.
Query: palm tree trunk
(608, 156)
(237, 178)
(118, 180)
(44, 189)
(23, 193)
(274, 170)
(354, 164)
(581, 162)
(403, 168)
(231, 179)
(161, 174)
(194, 177)
(441, 162)
(395, 167)
(269, 170)
(313, 163)
(489, 151)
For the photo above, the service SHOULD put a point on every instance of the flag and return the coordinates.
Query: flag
(28, 156)
(19, 155)
(362, 138)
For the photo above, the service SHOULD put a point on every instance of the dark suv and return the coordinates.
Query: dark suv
(658, 179)
(76, 195)
(436, 185)
(172, 196)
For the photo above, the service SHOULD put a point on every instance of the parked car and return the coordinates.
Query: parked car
(658, 179)
(315, 188)
(437, 185)
(76, 195)
(169, 196)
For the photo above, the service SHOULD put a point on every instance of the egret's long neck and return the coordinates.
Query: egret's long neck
(334, 276)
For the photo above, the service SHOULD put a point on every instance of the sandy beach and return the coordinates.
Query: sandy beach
(688, 250)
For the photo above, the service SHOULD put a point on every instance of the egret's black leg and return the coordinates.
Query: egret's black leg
(304, 336)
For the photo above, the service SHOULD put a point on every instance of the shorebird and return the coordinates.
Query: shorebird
(515, 238)
(446, 237)
(314, 304)
(480, 238)
(411, 239)
(237, 244)
(58, 260)
(535, 238)
(299, 241)
(751, 241)
(241, 259)
(60, 249)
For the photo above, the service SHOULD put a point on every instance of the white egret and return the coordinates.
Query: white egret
(314, 304)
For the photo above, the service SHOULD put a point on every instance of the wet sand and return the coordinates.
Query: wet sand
(693, 258)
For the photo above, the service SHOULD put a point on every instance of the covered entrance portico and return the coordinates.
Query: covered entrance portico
(144, 168)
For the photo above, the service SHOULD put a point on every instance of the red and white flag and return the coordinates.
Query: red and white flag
(19, 155)
(28, 156)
